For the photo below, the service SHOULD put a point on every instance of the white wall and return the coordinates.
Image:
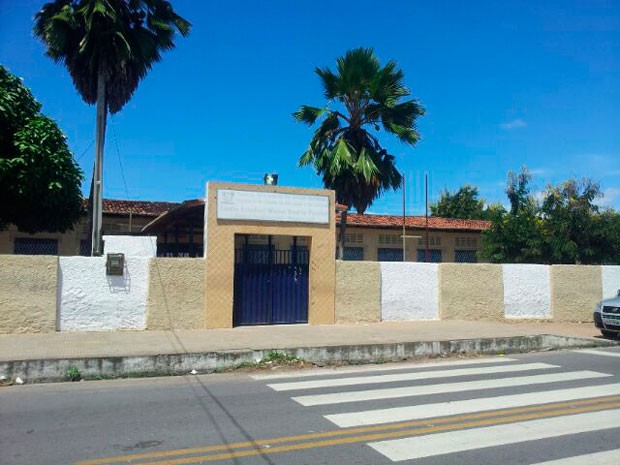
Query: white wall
(89, 300)
(611, 281)
(527, 291)
(409, 291)
(131, 246)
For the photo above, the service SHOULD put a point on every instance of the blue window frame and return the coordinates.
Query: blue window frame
(465, 256)
(385, 254)
(434, 255)
(354, 253)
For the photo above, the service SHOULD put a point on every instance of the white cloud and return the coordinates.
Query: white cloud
(611, 196)
(538, 171)
(514, 124)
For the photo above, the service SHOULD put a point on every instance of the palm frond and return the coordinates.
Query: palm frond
(309, 115)
(120, 39)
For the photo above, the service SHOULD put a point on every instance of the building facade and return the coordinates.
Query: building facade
(179, 230)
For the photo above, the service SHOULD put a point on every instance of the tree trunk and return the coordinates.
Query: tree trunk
(97, 244)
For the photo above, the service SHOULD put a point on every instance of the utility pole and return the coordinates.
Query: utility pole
(97, 243)
(426, 254)
(404, 217)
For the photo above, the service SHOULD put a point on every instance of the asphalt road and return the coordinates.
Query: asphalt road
(556, 408)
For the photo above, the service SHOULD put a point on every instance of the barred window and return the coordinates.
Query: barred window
(390, 239)
(354, 238)
(32, 246)
(354, 253)
(465, 256)
(390, 254)
(464, 241)
(258, 239)
(434, 255)
(85, 248)
(433, 241)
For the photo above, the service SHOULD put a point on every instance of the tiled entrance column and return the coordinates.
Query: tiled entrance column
(219, 245)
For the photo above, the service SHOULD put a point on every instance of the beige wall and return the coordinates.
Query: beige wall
(28, 293)
(69, 241)
(176, 297)
(358, 292)
(220, 250)
(447, 240)
(575, 290)
(471, 292)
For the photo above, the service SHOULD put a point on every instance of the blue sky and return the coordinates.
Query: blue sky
(504, 84)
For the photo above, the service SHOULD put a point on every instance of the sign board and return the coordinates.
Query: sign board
(272, 206)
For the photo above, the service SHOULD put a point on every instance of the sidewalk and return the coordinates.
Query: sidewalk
(48, 356)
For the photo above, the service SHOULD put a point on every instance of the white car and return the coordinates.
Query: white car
(607, 316)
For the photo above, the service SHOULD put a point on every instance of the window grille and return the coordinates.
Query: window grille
(85, 249)
(390, 239)
(434, 255)
(463, 241)
(354, 253)
(390, 254)
(465, 256)
(258, 239)
(354, 238)
(32, 246)
(433, 241)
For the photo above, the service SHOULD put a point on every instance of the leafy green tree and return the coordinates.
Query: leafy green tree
(571, 222)
(463, 204)
(107, 46)
(607, 236)
(567, 226)
(515, 236)
(344, 149)
(39, 179)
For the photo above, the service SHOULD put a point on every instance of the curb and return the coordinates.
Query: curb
(56, 370)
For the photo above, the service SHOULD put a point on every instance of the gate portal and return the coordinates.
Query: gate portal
(270, 285)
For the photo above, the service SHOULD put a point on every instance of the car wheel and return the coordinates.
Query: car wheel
(609, 334)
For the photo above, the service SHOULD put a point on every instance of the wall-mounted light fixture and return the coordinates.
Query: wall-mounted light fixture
(115, 264)
(271, 179)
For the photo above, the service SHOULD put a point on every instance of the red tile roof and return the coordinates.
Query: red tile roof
(155, 209)
(396, 221)
(136, 207)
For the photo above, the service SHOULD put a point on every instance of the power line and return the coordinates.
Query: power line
(120, 163)
(86, 150)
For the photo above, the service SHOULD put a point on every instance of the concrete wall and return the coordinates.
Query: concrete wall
(176, 297)
(450, 291)
(92, 301)
(358, 292)
(409, 291)
(527, 293)
(610, 281)
(575, 291)
(131, 246)
(471, 292)
(28, 293)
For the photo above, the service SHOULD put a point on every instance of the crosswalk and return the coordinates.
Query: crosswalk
(417, 412)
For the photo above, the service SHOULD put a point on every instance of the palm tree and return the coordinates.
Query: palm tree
(107, 46)
(343, 151)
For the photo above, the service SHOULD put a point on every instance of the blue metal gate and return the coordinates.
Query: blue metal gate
(271, 286)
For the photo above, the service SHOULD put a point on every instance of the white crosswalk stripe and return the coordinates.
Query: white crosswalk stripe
(418, 412)
(393, 393)
(478, 438)
(609, 457)
(421, 375)
(346, 398)
(602, 353)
